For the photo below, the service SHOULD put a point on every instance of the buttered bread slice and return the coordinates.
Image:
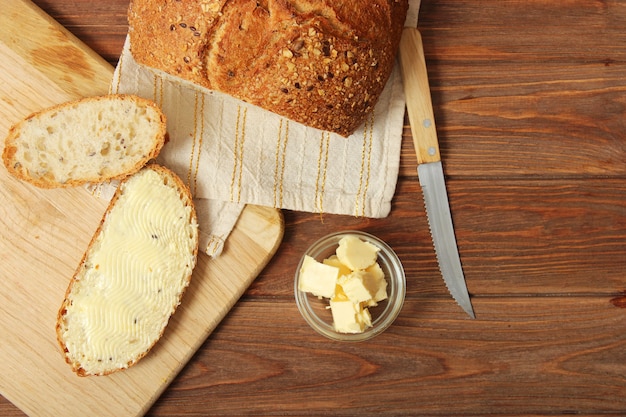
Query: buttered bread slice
(132, 276)
(90, 140)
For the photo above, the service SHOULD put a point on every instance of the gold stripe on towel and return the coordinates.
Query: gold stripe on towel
(157, 90)
(240, 138)
(366, 163)
(322, 165)
(279, 168)
(200, 139)
(193, 143)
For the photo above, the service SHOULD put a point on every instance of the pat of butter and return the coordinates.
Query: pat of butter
(380, 283)
(349, 317)
(359, 286)
(356, 254)
(317, 278)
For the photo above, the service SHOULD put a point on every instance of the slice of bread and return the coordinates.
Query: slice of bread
(90, 140)
(132, 276)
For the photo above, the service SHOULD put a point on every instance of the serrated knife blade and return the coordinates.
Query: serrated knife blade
(430, 170)
(440, 221)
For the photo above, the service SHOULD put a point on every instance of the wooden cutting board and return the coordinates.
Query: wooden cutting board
(45, 232)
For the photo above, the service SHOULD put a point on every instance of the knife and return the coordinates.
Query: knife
(430, 170)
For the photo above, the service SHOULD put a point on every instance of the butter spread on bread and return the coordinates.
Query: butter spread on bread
(132, 276)
(322, 63)
(89, 140)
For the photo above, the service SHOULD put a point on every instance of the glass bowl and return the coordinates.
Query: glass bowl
(315, 310)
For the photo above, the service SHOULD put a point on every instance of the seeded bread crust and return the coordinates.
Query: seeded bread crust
(171, 180)
(89, 140)
(323, 63)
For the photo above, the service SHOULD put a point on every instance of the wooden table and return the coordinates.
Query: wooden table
(530, 103)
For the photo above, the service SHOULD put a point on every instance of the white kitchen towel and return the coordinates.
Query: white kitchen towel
(231, 153)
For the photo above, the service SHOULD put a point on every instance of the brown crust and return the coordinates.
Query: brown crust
(10, 149)
(323, 63)
(187, 199)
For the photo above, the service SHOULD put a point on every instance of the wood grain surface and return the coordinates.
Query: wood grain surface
(530, 104)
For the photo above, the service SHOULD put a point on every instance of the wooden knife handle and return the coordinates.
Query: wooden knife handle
(417, 93)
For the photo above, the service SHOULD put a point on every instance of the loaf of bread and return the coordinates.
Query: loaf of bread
(132, 276)
(322, 63)
(89, 140)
